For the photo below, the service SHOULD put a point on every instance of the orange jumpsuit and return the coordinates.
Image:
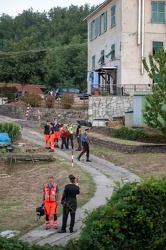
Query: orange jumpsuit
(52, 137)
(50, 203)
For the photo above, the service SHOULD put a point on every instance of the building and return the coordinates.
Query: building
(120, 34)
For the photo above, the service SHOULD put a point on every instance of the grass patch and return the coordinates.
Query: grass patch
(21, 191)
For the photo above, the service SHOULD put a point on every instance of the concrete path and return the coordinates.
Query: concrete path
(104, 174)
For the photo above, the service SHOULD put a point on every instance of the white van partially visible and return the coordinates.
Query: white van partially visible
(3, 100)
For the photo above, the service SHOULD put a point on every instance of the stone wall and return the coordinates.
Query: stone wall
(101, 108)
(108, 107)
(63, 115)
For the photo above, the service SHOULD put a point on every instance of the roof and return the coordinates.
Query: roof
(102, 5)
(27, 87)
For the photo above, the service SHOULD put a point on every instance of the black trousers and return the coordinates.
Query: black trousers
(69, 208)
(71, 139)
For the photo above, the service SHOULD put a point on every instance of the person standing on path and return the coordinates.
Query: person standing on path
(56, 133)
(69, 202)
(78, 136)
(69, 127)
(47, 134)
(52, 137)
(51, 198)
(85, 145)
(63, 136)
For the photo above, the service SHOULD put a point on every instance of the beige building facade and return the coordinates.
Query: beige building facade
(120, 34)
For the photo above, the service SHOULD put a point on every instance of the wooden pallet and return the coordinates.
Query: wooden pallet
(29, 158)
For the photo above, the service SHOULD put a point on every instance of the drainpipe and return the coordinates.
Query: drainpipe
(139, 21)
(143, 34)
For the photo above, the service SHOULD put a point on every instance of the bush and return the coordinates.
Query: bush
(9, 92)
(32, 98)
(134, 218)
(134, 134)
(67, 100)
(15, 243)
(49, 101)
(12, 129)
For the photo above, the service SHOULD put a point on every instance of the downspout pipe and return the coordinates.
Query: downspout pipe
(143, 35)
(139, 22)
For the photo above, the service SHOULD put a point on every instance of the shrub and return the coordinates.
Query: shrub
(9, 92)
(12, 129)
(134, 218)
(49, 101)
(15, 243)
(32, 98)
(67, 100)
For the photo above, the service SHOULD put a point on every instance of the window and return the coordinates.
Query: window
(156, 46)
(112, 16)
(93, 62)
(104, 22)
(101, 60)
(158, 12)
(112, 52)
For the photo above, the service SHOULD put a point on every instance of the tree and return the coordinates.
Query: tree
(23, 62)
(154, 112)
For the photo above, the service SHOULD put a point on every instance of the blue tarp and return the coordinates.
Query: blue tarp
(4, 138)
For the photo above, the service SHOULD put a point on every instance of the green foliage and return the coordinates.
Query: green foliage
(26, 40)
(15, 244)
(135, 134)
(67, 100)
(12, 129)
(9, 92)
(32, 98)
(49, 101)
(154, 112)
(23, 62)
(134, 218)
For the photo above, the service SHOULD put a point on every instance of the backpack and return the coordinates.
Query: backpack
(40, 210)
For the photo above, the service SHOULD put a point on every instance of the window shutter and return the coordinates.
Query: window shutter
(105, 21)
(96, 28)
(156, 46)
(161, 6)
(99, 25)
(90, 31)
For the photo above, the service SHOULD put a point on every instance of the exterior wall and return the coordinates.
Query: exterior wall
(128, 50)
(109, 107)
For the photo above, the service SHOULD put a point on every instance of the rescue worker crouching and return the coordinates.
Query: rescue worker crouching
(51, 198)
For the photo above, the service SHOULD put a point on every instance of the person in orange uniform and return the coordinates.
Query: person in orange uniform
(51, 198)
(47, 134)
(52, 137)
(56, 133)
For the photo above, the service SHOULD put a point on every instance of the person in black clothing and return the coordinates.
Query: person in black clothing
(78, 136)
(56, 133)
(47, 134)
(69, 202)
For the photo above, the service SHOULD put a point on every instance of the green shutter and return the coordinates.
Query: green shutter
(105, 21)
(113, 16)
(156, 46)
(90, 31)
(99, 25)
(158, 12)
(96, 27)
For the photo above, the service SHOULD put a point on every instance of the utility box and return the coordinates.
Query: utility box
(99, 122)
(129, 118)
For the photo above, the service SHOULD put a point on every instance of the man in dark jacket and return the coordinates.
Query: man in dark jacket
(69, 202)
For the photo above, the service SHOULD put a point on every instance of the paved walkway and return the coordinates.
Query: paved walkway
(104, 174)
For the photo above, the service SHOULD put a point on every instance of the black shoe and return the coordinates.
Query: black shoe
(55, 227)
(88, 160)
(78, 158)
(71, 230)
(62, 231)
(47, 228)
